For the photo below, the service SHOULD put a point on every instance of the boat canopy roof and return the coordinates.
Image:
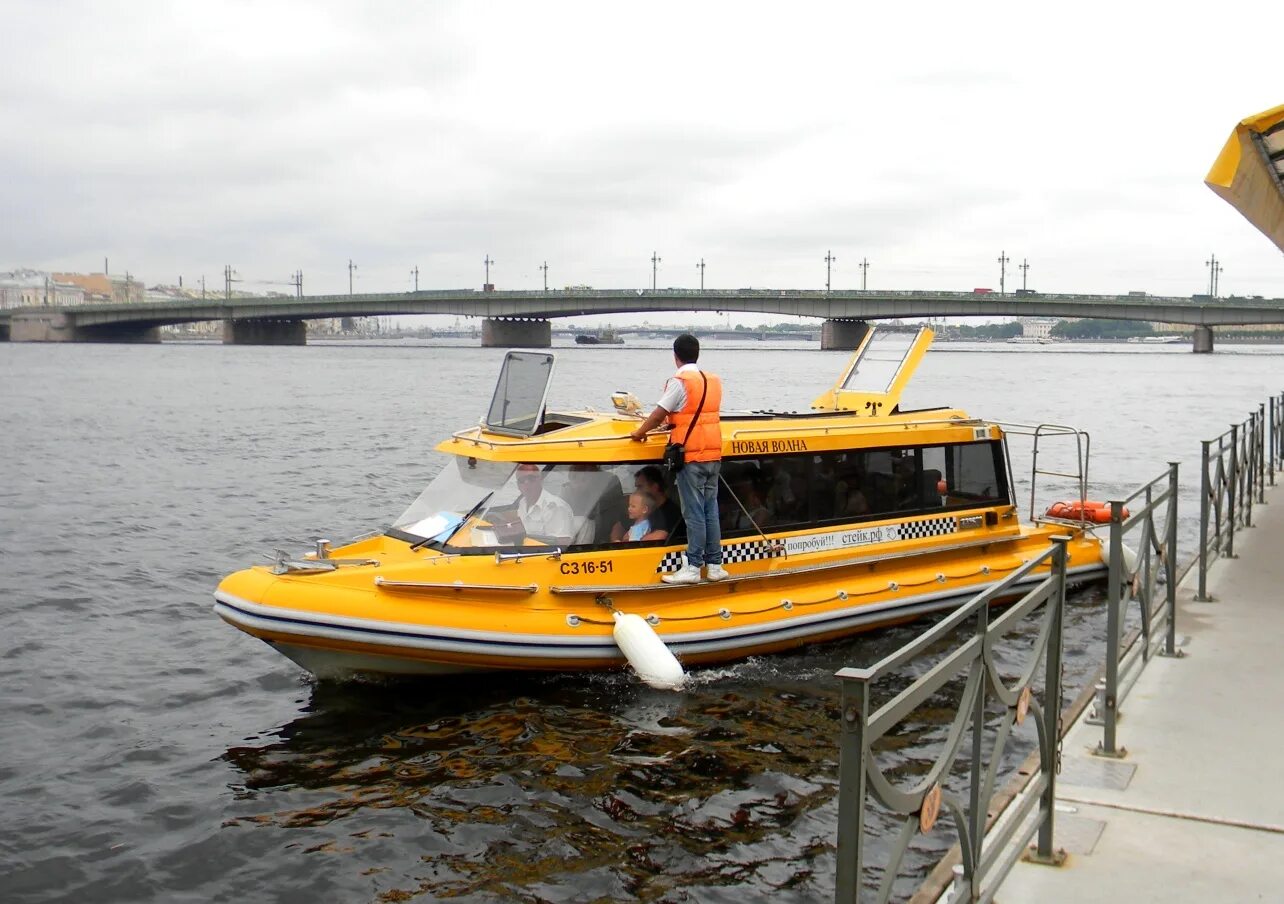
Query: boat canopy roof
(860, 411)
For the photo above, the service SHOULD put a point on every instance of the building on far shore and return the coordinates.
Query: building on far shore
(1037, 327)
(107, 288)
(35, 288)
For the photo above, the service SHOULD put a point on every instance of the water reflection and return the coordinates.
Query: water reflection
(575, 787)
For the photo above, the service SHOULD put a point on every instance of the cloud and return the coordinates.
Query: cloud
(278, 136)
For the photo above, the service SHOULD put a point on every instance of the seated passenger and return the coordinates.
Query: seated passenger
(751, 511)
(544, 515)
(597, 497)
(666, 516)
(641, 506)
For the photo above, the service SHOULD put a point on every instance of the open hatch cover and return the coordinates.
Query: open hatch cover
(517, 408)
(877, 373)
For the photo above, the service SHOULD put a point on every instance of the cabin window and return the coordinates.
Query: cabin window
(791, 492)
(975, 474)
(475, 506)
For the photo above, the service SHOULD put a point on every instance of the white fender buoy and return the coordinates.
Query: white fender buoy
(1129, 560)
(642, 647)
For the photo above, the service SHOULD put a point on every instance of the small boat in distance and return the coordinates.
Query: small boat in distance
(1169, 339)
(601, 337)
(850, 516)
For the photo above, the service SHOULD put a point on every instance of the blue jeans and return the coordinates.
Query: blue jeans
(698, 493)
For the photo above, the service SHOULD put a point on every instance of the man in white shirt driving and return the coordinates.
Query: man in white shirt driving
(544, 515)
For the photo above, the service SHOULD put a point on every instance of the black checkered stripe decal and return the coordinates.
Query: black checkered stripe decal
(731, 552)
(760, 549)
(932, 527)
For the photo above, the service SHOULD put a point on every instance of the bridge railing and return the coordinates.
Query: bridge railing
(1142, 549)
(915, 803)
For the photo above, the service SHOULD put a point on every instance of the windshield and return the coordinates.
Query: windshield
(474, 504)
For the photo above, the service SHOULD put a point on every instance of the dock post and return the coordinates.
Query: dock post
(1204, 506)
(1234, 491)
(1170, 565)
(1114, 626)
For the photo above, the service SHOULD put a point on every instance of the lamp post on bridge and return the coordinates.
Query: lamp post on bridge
(544, 267)
(1003, 269)
(351, 268)
(229, 277)
(1214, 270)
(700, 267)
(829, 262)
(415, 274)
(655, 264)
(864, 271)
(486, 284)
(1025, 270)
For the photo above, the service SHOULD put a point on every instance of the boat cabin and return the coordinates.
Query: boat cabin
(531, 478)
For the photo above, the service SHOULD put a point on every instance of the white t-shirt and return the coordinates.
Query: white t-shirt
(550, 516)
(675, 391)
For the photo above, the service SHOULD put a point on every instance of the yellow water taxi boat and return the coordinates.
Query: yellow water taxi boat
(849, 516)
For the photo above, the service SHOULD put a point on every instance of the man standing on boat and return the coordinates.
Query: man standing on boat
(691, 402)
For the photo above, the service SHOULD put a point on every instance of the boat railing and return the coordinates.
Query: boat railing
(1143, 570)
(1041, 432)
(971, 639)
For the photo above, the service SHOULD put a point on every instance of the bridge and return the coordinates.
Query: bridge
(521, 318)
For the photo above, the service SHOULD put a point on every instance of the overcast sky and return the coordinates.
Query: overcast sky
(176, 137)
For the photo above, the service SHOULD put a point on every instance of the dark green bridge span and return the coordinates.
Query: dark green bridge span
(522, 318)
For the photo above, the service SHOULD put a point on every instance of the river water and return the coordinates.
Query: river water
(148, 752)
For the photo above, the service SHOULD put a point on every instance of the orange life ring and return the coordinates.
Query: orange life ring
(1088, 510)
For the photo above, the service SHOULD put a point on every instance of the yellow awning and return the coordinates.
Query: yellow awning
(1249, 171)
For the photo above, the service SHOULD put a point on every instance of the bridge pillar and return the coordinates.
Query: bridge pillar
(1203, 340)
(265, 332)
(502, 332)
(57, 326)
(842, 334)
(41, 326)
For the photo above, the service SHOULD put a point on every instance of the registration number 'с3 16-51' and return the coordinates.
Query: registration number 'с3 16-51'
(601, 566)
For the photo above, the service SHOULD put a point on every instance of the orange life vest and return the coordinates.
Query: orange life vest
(705, 441)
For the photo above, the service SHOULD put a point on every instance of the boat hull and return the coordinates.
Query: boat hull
(753, 614)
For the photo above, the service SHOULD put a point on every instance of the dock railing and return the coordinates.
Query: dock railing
(1142, 551)
(964, 798)
(1235, 470)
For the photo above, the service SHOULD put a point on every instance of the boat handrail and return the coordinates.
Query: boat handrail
(472, 434)
(452, 585)
(881, 425)
(1032, 429)
(462, 435)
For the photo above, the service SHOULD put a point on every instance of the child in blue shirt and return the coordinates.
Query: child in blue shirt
(641, 505)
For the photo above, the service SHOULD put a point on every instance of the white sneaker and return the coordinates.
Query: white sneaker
(715, 573)
(687, 574)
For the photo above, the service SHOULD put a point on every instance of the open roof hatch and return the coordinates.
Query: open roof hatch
(877, 373)
(517, 408)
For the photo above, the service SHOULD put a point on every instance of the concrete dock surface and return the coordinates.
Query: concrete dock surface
(1195, 810)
